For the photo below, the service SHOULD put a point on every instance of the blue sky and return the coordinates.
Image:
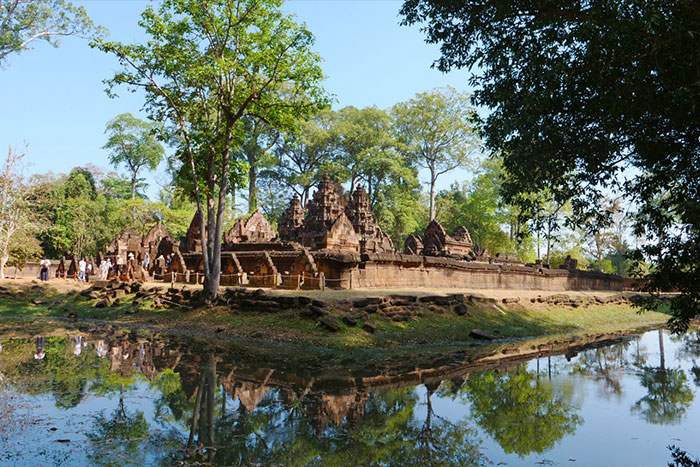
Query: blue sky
(54, 98)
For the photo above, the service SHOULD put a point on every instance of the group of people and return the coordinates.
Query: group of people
(106, 267)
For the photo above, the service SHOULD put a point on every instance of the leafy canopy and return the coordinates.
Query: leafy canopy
(586, 98)
(25, 21)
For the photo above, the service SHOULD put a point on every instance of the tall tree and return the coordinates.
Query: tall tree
(587, 97)
(132, 142)
(206, 65)
(14, 211)
(256, 142)
(22, 22)
(368, 150)
(303, 155)
(435, 126)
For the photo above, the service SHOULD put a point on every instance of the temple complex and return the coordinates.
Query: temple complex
(336, 242)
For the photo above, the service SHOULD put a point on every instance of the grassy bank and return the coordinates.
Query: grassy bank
(26, 305)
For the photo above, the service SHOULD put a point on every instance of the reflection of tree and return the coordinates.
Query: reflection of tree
(604, 364)
(438, 441)
(690, 350)
(62, 373)
(520, 413)
(118, 439)
(668, 395)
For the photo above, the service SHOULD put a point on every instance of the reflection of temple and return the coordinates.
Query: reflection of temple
(335, 241)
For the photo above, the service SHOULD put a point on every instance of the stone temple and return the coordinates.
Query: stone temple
(336, 242)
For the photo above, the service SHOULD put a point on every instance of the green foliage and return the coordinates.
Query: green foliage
(587, 98)
(668, 396)
(305, 154)
(479, 207)
(24, 21)
(80, 220)
(436, 130)
(132, 143)
(24, 247)
(521, 413)
(119, 187)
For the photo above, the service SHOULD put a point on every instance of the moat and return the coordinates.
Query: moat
(129, 398)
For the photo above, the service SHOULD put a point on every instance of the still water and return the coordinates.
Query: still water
(118, 399)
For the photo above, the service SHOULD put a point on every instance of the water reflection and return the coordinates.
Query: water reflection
(118, 399)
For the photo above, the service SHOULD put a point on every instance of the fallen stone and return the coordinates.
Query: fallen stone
(119, 293)
(349, 320)
(371, 308)
(94, 295)
(364, 302)
(443, 301)
(317, 311)
(319, 303)
(303, 300)
(38, 301)
(259, 293)
(104, 303)
(479, 334)
(511, 300)
(286, 302)
(400, 316)
(461, 309)
(369, 326)
(330, 323)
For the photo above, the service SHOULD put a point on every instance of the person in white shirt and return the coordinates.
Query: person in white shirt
(81, 270)
(45, 265)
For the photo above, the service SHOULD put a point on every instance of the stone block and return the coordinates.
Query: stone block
(349, 320)
(331, 323)
(104, 303)
(479, 334)
(369, 326)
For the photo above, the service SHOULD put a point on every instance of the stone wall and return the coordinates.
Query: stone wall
(410, 271)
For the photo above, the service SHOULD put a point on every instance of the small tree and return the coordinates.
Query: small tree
(23, 22)
(132, 143)
(208, 64)
(436, 128)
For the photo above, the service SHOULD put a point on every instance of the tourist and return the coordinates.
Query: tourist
(146, 260)
(118, 266)
(45, 265)
(88, 271)
(82, 265)
(101, 349)
(168, 260)
(77, 346)
(39, 342)
(105, 266)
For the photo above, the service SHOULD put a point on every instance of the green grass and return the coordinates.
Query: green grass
(288, 326)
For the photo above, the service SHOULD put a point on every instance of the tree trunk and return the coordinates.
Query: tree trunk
(662, 356)
(211, 396)
(133, 185)
(252, 188)
(432, 195)
(549, 239)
